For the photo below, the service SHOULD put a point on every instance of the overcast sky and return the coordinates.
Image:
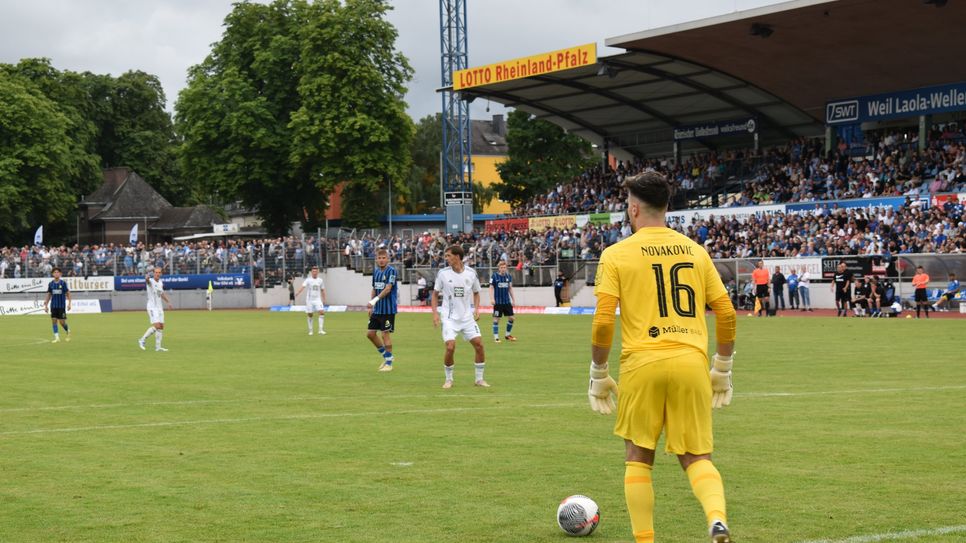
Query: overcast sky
(165, 37)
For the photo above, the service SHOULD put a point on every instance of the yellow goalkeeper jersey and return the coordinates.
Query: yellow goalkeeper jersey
(663, 280)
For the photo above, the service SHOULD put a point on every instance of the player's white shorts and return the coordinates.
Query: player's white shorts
(314, 307)
(156, 315)
(468, 328)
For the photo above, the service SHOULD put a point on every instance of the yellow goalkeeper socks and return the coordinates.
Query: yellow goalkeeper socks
(708, 488)
(639, 494)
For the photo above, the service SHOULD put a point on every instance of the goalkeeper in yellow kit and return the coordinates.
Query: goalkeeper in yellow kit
(662, 281)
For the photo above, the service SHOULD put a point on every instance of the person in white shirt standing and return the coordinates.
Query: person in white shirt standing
(155, 290)
(459, 315)
(804, 285)
(315, 299)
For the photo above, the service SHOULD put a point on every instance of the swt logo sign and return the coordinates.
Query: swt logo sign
(839, 112)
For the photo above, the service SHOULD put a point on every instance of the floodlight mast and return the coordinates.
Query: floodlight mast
(456, 161)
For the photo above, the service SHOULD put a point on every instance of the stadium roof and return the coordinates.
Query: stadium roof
(779, 64)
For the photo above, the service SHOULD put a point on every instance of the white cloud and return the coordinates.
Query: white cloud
(166, 37)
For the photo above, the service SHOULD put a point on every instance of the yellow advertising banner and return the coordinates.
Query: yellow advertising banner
(562, 221)
(518, 68)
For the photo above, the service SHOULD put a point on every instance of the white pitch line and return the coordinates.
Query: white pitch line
(856, 391)
(443, 395)
(306, 416)
(893, 536)
(269, 400)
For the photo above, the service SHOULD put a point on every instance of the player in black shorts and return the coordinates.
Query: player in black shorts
(58, 297)
(843, 290)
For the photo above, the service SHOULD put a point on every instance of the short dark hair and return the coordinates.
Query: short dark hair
(456, 250)
(651, 188)
(56, 269)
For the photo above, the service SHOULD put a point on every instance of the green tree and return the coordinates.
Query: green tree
(295, 99)
(68, 93)
(137, 132)
(352, 125)
(234, 115)
(36, 163)
(541, 156)
(421, 193)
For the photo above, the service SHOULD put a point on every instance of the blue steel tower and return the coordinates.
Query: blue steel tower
(456, 164)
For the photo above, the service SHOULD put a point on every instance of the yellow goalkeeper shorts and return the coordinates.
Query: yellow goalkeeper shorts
(673, 395)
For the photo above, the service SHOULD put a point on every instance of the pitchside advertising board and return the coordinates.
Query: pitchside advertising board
(39, 284)
(187, 282)
(518, 68)
(36, 307)
(860, 266)
(897, 105)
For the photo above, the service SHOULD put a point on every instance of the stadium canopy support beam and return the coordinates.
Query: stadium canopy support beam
(457, 165)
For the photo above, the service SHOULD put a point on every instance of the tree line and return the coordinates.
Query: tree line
(295, 100)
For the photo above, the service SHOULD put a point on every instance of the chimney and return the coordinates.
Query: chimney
(499, 125)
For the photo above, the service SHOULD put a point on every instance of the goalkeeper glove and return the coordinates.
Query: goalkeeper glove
(601, 388)
(721, 389)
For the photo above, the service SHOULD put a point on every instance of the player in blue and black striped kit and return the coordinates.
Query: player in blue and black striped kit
(382, 308)
(501, 292)
(58, 297)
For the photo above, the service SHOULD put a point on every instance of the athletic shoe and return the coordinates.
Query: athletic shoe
(386, 366)
(482, 383)
(719, 533)
(56, 340)
(496, 339)
(448, 383)
(160, 350)
(321, 332)
(67, 338)
(310, 332)
(508, 337)
(141, 344)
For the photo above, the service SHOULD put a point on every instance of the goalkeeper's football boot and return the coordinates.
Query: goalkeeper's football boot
(720, 533)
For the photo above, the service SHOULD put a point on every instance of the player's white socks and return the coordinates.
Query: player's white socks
(310, 324)
(148, 333)
(157, 339)
(480, 366)
(321, 323)
(448, 370)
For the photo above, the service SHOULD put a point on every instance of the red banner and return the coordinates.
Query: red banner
(506, 225)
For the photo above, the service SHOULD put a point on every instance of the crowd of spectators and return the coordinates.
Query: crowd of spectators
(268, 258)
(824, 230)
(888, 163)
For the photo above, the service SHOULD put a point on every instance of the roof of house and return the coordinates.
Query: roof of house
(181, 218)
(489, 137)
(126, 195)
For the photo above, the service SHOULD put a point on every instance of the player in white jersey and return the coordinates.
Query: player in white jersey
(459, 315)
(315, 299)
(156, 300)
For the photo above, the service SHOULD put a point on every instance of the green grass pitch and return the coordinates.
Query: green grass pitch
(249, 430)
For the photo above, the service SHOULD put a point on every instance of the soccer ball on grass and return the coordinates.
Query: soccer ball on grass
(578, 515)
